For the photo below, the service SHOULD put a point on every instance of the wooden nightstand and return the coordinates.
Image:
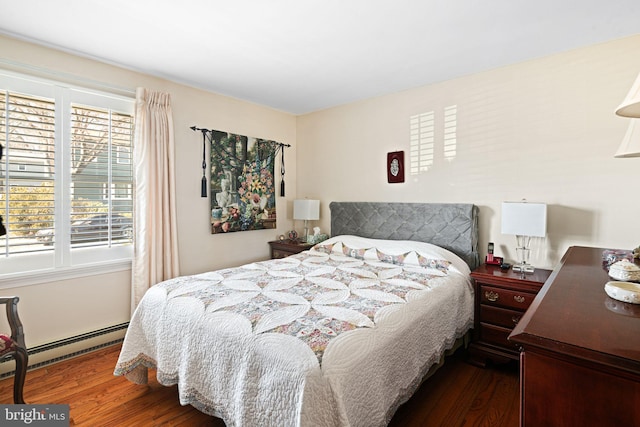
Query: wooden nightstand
(284, 248)
(501, 298)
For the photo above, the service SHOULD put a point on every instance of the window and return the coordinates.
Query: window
(66, 177)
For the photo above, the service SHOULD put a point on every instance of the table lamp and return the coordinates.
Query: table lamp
(524, 220)
(630, 107)
(307, 210)
(630, 146)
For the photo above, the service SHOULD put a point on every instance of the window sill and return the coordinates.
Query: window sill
(16, 280)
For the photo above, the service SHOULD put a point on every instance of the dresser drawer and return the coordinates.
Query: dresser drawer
(500, 316)
(505, 298)
(497, 336)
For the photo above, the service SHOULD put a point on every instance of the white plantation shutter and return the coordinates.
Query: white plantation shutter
(101, 183)
(28, 170)
(66, 176)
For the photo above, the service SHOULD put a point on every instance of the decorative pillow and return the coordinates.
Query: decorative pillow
(393, 259)
(438, 264)
(354, 253)
(6, 344)
(325, 248)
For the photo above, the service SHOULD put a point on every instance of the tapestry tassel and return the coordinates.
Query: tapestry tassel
(203, 186)
(203, 190)
(282, 173)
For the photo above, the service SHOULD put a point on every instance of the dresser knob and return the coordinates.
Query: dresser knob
(515, 319)
(491, 296)
(518, 298)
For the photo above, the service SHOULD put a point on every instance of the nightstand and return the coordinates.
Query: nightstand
(501, 298)
(284, 248)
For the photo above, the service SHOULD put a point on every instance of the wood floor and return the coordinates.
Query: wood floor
(457, 395)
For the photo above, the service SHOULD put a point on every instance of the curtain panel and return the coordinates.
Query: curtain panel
(156, 239)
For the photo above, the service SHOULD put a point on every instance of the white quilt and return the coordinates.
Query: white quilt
(339, 335)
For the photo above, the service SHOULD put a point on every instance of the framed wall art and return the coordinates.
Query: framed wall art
(395, 167)
(242, 189)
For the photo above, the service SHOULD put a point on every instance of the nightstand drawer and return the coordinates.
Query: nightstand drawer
(285, 248)
(497, 336)
(500, 316)
(505, 298)
(276, 254)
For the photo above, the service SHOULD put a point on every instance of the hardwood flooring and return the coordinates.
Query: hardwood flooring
(458, 394)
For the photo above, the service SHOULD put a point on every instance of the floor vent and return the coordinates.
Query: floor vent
(72, 340)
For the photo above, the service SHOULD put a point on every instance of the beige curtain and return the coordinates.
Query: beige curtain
(156, 240)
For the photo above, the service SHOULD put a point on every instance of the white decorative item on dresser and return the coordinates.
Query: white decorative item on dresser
(625, 270)
(623, 291)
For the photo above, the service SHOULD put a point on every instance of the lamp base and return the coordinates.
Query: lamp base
(306, 231)
(524, 268)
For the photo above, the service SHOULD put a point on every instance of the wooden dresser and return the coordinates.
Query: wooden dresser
(580, 364)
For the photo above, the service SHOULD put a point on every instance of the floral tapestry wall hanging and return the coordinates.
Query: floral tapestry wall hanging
(242, 188)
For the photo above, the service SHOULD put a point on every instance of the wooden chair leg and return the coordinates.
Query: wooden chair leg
(22, 361)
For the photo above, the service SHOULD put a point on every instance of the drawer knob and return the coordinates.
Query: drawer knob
(491, 296)
(516, 319)
(518, 298)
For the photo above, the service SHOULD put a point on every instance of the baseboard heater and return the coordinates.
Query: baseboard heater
(72, 340)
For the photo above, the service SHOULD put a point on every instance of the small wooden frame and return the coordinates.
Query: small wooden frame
(395, 167)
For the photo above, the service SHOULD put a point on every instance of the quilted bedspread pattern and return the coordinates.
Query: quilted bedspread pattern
(336, 336)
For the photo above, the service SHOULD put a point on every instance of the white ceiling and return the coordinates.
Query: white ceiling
(301, 56)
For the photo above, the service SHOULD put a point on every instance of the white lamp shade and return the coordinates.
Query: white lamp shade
(630, 107)
(630, 146)
(524, 219)
(306, 209)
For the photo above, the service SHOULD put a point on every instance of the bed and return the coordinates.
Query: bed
(339, 335)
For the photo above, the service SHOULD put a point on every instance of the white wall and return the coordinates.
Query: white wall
(60, 309)
(543, 130)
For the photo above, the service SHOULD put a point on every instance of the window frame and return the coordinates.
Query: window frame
(63, 262)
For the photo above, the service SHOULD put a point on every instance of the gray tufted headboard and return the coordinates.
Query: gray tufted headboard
(453, 226)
